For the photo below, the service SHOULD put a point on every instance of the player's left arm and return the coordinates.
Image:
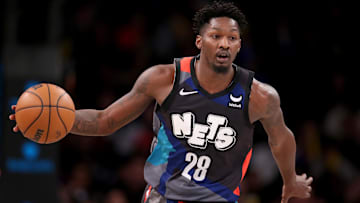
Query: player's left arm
(282, 143)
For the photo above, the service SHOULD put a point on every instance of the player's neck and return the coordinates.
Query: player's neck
(209, 79)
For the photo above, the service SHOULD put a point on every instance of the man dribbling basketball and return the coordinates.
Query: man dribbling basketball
(204, 116)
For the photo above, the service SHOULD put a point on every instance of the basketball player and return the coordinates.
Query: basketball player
(205, 110)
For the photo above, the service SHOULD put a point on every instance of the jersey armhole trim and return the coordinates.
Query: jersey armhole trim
(170, 97)
(248, 90)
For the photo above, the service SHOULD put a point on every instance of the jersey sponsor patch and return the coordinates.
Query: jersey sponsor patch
(235, 102)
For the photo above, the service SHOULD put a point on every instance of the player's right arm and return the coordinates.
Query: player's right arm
(155, 83)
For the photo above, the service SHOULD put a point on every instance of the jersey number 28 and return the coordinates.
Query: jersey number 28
(202, 164)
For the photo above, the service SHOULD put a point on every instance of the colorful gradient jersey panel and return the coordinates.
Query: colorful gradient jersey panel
(204, 141)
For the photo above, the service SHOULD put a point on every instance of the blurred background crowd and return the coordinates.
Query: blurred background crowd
(302, 48)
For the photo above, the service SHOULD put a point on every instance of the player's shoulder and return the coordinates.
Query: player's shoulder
(263, 98)
(162, 69)
(160, 74)
(155, 78)
(264, 91)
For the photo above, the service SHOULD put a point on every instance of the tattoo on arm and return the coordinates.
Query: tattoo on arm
(111, 123)
(86, 122)
(128, 113)
(142, 87)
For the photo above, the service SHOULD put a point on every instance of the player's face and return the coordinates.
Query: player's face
(220, 42)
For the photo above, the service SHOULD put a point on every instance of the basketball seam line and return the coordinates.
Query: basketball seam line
(28, 107)
(47, 133)
(38, 115)
(57, 110)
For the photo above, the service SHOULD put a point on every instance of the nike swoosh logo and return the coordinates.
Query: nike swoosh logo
(235, 99)
(183, 93)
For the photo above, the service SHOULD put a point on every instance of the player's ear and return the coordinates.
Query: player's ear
(198, 41)
(239, 46)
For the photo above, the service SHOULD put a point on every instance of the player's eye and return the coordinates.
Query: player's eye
(232, 38)
(215, 36)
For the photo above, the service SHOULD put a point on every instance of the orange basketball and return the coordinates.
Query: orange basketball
(45, 113)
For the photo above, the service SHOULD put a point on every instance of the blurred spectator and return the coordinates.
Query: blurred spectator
(76, 188)
(130, 177)
(116, 196)
(262, 158)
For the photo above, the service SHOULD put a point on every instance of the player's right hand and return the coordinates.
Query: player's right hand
(12, 118)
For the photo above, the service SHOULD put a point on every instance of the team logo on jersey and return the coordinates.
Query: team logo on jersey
(185, 93)
(198, 135)
(235, 102)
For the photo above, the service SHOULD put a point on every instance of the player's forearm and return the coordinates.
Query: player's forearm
(284, 151)
(88, 123)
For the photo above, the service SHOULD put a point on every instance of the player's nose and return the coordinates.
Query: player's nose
(224, 43)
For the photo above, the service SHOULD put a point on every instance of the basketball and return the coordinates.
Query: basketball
(45, 113)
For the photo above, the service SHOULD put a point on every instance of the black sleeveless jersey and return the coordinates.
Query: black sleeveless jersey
(204, 141)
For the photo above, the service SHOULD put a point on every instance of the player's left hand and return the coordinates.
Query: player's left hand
(12, 118)
(300, 188)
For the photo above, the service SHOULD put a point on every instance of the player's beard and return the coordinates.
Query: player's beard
(220, 69)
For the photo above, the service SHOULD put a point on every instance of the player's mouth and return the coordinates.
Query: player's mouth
(222, 56)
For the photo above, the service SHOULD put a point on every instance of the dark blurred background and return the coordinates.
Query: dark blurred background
(96, 49)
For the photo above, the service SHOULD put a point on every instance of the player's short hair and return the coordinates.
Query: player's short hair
(219, 9)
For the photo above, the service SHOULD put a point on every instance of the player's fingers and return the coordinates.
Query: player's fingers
(12, 117)
(13, 107)
(16, 129)
(309, 180)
